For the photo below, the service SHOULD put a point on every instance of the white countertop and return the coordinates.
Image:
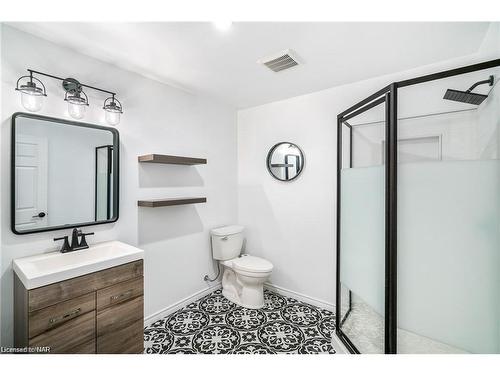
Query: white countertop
(39, 270)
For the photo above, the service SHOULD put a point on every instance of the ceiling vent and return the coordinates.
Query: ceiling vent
(280, 61)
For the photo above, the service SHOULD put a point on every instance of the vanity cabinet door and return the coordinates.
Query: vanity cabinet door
(74, 336)
(67, 327)
(120, 318)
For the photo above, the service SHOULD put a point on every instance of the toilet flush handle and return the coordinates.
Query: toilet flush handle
(224, 238)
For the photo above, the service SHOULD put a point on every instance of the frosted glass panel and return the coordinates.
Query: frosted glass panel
(449, 254)
(362, 267)
(363, 256)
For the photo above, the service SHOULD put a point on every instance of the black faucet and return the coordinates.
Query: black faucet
(75, 244)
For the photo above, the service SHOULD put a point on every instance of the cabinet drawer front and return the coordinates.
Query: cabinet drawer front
(120, 327)
(53, 316)
(68, 289)
(69, 337)
(119, 293)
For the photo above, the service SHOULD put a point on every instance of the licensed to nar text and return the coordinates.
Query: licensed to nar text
(34, 349)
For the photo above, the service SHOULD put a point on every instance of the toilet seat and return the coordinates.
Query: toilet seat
(252, 264)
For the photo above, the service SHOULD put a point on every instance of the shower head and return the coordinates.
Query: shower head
(468, 96)
(464, 97)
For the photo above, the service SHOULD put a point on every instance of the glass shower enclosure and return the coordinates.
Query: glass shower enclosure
(418, 216)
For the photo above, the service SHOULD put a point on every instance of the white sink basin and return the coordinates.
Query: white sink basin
(39, 270)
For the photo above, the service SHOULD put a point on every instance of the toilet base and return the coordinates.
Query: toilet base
(243, 290)
(236, 301)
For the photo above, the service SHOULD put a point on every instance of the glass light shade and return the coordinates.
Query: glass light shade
(77, 111)
(112, 110)
(112, 118)
(32, 103)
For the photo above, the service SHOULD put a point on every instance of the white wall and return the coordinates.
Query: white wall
(158, 119)
(293, 224)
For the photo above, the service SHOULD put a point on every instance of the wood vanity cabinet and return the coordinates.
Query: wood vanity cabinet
(101, 312)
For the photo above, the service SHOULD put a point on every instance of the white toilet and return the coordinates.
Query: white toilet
(244, 276)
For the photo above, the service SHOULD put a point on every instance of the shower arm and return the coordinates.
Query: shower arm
(489, 81)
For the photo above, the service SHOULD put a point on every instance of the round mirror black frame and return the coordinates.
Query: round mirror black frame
(270, 154)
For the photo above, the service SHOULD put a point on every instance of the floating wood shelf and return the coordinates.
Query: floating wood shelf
(169, 202)
(170, 159)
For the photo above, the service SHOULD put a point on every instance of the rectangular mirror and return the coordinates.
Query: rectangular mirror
(64, 174)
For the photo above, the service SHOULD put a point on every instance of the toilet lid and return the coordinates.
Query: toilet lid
(252, 264)
(226, 231)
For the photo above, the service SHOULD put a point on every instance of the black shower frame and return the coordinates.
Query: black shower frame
(389, 96)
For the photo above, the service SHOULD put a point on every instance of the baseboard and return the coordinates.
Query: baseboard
(301, 297)
(179, 304)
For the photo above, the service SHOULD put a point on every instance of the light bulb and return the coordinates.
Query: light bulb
(32, 103)
(112, 118)
(223, 25)
(77, 111)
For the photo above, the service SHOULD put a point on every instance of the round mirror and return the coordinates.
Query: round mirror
(285, 161)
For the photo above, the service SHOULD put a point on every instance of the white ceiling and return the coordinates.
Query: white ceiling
(199, 58)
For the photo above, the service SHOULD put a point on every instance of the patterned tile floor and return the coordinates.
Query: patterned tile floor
(214, 325)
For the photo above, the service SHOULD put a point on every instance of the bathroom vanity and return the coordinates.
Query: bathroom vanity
(79, 299)
(87, 301)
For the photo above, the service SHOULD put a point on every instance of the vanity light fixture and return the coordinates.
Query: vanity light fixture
(113, 110)
(33, 92)
(32, 95)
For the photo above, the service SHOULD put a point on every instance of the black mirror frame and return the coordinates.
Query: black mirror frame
(270, 153)
(116, 177)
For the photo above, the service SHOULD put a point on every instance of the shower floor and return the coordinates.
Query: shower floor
(365, 328)
(214, 325)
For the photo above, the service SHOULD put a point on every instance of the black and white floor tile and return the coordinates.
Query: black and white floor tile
(214, 325)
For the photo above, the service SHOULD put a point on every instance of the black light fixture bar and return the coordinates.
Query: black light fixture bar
(31, 71)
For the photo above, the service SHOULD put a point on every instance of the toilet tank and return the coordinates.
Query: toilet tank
(227, 242)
